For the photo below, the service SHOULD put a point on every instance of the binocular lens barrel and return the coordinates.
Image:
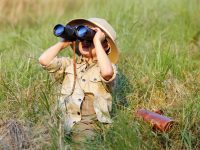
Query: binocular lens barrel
(84, 33)
(66, 32)
(69, 33)
(59, 30)
(81, 31)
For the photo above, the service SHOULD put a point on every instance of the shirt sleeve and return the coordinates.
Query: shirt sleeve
(57, 67)
(111, 83)
(113, 77)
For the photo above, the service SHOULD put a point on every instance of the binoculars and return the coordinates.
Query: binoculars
(73, 33)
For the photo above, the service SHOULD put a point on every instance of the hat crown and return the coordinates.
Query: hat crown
(103, 24)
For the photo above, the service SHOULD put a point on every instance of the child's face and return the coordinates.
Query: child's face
(88, 50)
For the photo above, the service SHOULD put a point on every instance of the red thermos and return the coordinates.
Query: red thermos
(158, 121)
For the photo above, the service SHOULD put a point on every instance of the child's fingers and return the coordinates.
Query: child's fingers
(64, 40)
(96, 29)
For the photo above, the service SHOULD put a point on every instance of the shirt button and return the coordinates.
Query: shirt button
(83, 80)
(95, 79)
(80, 99)
(78, 113)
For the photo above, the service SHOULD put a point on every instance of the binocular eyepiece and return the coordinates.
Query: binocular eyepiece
(70, 33)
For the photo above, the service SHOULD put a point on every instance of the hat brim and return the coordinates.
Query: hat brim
(114, 51)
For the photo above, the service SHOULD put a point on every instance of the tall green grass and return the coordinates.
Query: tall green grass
(158, 66)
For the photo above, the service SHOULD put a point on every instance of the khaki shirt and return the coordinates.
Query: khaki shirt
(88, 80)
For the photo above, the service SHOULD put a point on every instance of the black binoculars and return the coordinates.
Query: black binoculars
(73, 33)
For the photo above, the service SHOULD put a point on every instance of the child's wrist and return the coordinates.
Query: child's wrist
(97, 42)
(62, 45)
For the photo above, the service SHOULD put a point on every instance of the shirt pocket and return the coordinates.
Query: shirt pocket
(95, 79)
(66, 85)
(96, 85)
(94, 75)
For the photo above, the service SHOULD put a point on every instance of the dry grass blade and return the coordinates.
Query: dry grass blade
(13, 136)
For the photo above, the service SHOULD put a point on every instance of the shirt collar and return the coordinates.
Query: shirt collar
(81, 59)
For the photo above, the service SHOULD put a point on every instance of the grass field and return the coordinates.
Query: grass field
(158, 66)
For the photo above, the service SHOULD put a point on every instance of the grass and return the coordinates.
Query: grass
(159, 69)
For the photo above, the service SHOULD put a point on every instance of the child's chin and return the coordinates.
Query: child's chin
(85, 49)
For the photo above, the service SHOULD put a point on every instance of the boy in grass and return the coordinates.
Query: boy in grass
(85, 94)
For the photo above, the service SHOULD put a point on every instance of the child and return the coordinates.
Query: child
(86, 91)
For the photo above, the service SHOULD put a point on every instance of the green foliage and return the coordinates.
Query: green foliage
(158, 69)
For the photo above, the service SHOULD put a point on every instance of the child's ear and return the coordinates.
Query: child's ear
(108, 51)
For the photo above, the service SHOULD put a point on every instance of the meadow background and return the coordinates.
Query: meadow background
(158, 66)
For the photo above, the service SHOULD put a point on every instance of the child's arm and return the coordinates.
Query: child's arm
(54, 65)
(51, 52)
(103, 60)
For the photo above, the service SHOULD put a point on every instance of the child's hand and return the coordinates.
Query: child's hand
(99, 36)
(64, 43)
(52, 52)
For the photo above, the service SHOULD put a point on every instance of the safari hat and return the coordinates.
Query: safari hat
(107, 29)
